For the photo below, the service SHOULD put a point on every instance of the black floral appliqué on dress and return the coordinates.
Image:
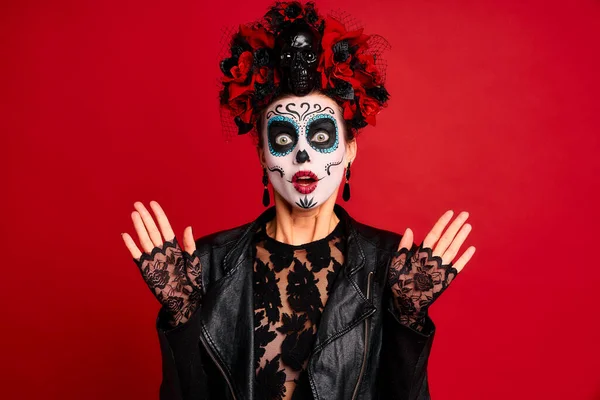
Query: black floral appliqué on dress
(291, 287)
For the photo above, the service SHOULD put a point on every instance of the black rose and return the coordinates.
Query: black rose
(341, 51)
(293, 10)
(406, 306)
(310, 14)
(379, 93)
(158, 278)
(343, 89)
(174, 304)
(262, 57)
(263, 90)
(423, 282)
(358, 122)
(274, 18)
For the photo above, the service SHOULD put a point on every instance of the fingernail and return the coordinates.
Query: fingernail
(122, 233)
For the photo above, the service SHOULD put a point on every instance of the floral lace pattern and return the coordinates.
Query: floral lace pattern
(291, 287)
(175, 278)
(417, 279)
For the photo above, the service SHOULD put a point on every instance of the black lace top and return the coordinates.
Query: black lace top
(291, 286)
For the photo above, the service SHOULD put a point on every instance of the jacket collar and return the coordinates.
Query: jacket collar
(239, 252)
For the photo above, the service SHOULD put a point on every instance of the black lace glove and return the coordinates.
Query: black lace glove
(416, 279)
(175, 278)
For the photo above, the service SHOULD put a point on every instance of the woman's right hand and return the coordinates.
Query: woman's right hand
(173, 275)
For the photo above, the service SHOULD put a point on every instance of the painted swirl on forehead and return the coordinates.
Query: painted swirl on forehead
(302, 114)
(288, 111)
(317, 109)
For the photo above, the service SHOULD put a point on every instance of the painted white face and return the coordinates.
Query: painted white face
(304, 149)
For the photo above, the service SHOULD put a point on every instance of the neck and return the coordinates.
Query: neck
(296, 226)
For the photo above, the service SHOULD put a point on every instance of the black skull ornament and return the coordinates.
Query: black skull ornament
(299, 57)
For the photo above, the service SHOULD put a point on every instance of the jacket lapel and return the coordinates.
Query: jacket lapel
(228, 314)
(347, 304)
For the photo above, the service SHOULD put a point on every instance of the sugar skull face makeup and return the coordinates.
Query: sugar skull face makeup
(304, 149)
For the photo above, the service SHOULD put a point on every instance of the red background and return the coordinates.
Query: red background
(494, 111)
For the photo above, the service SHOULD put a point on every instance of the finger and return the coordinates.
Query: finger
(149, 223)
(407, 239)
(458, 241)
(448, 236)
(142, 234)
(464, 259)
(188, 240)
(163, 221)
(435, 233)
(133, 249)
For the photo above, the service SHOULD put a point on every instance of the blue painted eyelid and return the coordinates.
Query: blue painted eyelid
(337, 136)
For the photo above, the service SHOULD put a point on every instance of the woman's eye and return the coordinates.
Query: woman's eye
(321, 137)
(310, 56)
(283, 139)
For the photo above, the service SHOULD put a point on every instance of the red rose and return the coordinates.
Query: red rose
(261, 75)
(330, 68)
(336, 32)
(257, 37)
(349, 107)
(241, 107)
(240, 96)
(369, 108)
(369, 75)
(240, 72)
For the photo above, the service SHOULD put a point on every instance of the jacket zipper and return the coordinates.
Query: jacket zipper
(364, 361)
(210, 353)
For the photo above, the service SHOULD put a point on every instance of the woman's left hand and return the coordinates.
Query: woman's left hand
(418, 278)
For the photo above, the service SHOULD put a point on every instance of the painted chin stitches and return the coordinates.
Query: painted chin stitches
(302, 142)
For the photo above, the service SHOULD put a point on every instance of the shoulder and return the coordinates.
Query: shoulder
(382, 239)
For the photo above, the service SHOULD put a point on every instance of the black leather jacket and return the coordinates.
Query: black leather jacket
(361, 350)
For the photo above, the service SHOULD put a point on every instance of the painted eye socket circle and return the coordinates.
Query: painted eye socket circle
(283, 139)
(320, 137)
(309, 56)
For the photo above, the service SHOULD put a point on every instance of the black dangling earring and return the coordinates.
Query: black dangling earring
(346, 194)
(265, 181)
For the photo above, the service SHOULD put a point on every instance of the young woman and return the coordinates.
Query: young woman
(304, 302)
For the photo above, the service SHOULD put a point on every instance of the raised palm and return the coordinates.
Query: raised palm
(417, 278)
(173, 275)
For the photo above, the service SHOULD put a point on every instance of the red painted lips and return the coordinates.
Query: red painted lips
(305, 182)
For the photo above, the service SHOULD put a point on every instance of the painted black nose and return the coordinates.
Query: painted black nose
(302, 157)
